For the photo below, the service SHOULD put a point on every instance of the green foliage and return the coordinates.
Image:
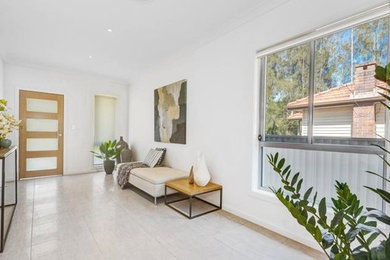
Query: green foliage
(383, 74)
(107, 151)
(287, 80)
(3, 104)
(348, 234)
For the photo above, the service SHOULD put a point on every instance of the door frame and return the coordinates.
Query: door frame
(23, 135)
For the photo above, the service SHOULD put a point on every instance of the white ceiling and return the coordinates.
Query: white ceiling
(63, 34)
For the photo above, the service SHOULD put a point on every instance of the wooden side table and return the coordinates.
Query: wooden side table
(6, 190)
(192, 191)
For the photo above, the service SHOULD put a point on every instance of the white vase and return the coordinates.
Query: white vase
(201, 173)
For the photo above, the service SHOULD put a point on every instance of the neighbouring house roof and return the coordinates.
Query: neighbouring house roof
(295, 116)
(342, 95)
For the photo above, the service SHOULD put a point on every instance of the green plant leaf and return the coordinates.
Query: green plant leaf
(294, 179)
(380, 176)
(314, 199)
(380, 73)
(286, 170)
(372, 238)
(299, 185)
(289, 188)
(382, 193)
(322, 208)
(276, 158)
(318, 235)
(337, 219)
(387, 248)
(379, 215)
(369, 229)
(307, 193)
(295, 196)
(360, 255)
(281, 163)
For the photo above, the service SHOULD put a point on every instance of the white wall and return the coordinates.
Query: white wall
(1, 78)
(79, 91)
(222, 118)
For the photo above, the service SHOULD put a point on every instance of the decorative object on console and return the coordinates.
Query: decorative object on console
(170, 113)
(125, 155)
(107, 152)
(153, 157)
(120, 146)
(191, 176)
(201, 173)
(8, 123)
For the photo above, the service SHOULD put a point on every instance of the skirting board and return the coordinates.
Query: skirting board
(309, 243)
(82, 172)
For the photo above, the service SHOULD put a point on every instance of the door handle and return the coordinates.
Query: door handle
(59, 135)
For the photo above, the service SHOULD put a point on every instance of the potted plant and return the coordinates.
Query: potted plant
(107, 152)
(351, 232)
(8, 123)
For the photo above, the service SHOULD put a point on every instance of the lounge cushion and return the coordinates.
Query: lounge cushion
(159, 175)
(153, 157)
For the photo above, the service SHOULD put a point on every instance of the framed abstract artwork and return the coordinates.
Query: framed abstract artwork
(170, 113)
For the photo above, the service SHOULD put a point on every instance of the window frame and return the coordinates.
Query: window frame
(381, 12)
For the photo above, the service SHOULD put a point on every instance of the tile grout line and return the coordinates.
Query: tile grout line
(93, 236)
(32, 220)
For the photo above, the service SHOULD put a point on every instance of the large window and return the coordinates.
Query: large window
(320, 106)
(324, 90)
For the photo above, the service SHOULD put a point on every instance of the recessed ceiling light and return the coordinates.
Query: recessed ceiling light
(90, 57)
(109, 30)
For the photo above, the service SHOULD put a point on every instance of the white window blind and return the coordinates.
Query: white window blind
(105, 118)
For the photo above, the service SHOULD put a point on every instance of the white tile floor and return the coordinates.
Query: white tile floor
(88, 217)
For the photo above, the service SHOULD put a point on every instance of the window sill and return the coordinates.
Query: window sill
(264, 195)
(364, 149)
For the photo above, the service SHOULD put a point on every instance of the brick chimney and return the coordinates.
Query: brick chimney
(363, 125)
(364, 79)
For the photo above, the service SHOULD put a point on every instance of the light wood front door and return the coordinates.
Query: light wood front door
(41, 135)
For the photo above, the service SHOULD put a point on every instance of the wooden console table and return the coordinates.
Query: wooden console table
(9, 191)
(192, 191)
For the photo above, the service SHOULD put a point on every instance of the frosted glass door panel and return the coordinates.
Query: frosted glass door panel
(42, 163)
(42, 125)
(42, 144)
(42, 105)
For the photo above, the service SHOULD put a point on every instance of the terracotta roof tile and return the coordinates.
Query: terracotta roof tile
(336, 96)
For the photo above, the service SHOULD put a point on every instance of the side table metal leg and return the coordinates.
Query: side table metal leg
(2, 203)
(220, 198)
(16, 177)
(190, 207)
(165, 195)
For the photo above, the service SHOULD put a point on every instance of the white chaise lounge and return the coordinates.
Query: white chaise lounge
(152, 180)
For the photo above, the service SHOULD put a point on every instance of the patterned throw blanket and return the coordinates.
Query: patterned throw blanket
(124, 172)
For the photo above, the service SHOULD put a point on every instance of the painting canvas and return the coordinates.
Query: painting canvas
(170, 113)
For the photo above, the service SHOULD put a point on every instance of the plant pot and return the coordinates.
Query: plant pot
(5, 143)
(109, 166)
